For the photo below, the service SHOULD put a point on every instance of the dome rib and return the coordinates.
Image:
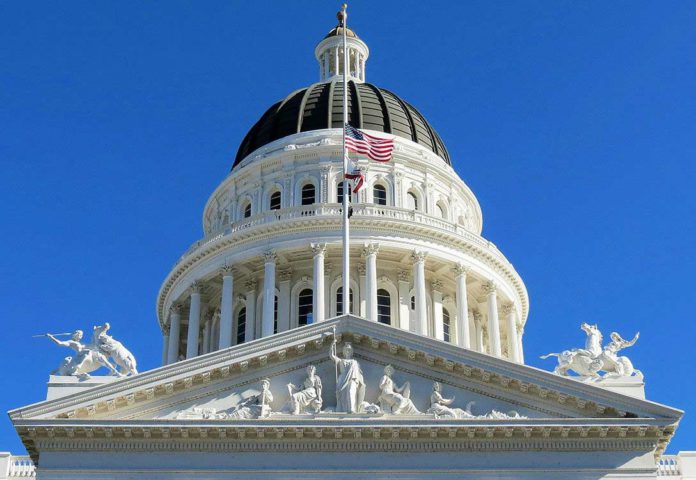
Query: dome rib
(369, 107)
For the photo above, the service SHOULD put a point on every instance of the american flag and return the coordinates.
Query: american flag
(376, 148)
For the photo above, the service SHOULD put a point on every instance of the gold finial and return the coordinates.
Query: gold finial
(342, 15)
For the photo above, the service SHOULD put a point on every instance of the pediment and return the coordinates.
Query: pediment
(207, 389)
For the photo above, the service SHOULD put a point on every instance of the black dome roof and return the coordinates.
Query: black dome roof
(320, 106)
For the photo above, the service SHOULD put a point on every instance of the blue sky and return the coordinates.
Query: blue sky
(574, 123)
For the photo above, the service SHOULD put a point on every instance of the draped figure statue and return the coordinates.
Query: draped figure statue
(440, 406)
(350, 387)
(394, 399)
(307, 398)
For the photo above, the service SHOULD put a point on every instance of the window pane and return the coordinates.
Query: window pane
(413, 303)
(446, 327)
(339, 193)
(275, 201)
(412, 201)
(339, 301)
(383, 307)
(241, 325)
(275, 314)
(380, 195)
(308, 194)
(305, 304)
(247, 210)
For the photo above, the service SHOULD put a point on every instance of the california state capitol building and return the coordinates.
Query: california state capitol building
(265, 375)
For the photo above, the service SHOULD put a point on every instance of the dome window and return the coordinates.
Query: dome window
(339, 301)
(446, 326)
(241, 325)
(246, 210)
(379, 192)
(275, 201)
(441, 210)
(383, 307)
(308, 194)
(411, 201)
(339, 193)
(305, 307)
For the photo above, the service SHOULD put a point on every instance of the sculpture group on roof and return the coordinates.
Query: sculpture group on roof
(588, 362)
(92, 356)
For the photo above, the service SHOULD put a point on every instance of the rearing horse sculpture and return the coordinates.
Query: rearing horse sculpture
(585, 362)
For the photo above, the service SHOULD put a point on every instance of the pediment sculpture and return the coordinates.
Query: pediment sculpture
(103, 351)
(588, 362)
(307, 398)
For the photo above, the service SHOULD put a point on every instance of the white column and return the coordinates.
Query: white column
(336, 64)
(437, 310)
(318, 250)
(463, 334)
(250, 310)
(404, 300)
(493, 322)
(269, 271)
(478, 323)
(370, 252)
(326, 66)
(226, 310)
(419, 281)
(165, 344)
(520, 350)
(206, 336)
(511, 324)
(363, 290)
(327, 289)
(284, 300)
(174, 333)
(194, 322)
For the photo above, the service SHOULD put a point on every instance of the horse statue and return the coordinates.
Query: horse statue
(121, 356)
(585, 362)
(588, 362)
(86, 360)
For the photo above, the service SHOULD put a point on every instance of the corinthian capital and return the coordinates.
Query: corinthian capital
(196, 287)
(362, 269)
(226, 270)
(250, 285)
(508, 308)
(489, 288)
(270, 256)
(461, 269)
(404, 276)
(371, 249)
(437, 285)
(318, 248)
(418, 256)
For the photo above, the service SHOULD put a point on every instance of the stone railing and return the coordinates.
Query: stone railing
(360, 211)
(668, 466)
(16, 466)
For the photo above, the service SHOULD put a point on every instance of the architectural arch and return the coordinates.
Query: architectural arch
(301, 184)
(303, 284)
(385, 283)
(333, 291)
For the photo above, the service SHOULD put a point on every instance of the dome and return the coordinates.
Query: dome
(320, 106)
(338, 31)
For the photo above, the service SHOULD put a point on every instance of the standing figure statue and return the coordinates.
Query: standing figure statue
(440, 406)
(308, 398)
(115, 349)
(86, 360)
(350, 385)
(394, 399)
(614, 365)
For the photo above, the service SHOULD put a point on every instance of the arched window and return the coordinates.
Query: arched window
(383, 307)
(413, 302)
(411, 201)
(339, 193)
(275, 201)
(339, 301)
(241, 325)
(247, 210)
(441, 210)
(446, 325)
(379, 192)
(305, 307)
(308, 194)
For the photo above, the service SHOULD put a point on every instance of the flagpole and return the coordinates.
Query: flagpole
(346, 187)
